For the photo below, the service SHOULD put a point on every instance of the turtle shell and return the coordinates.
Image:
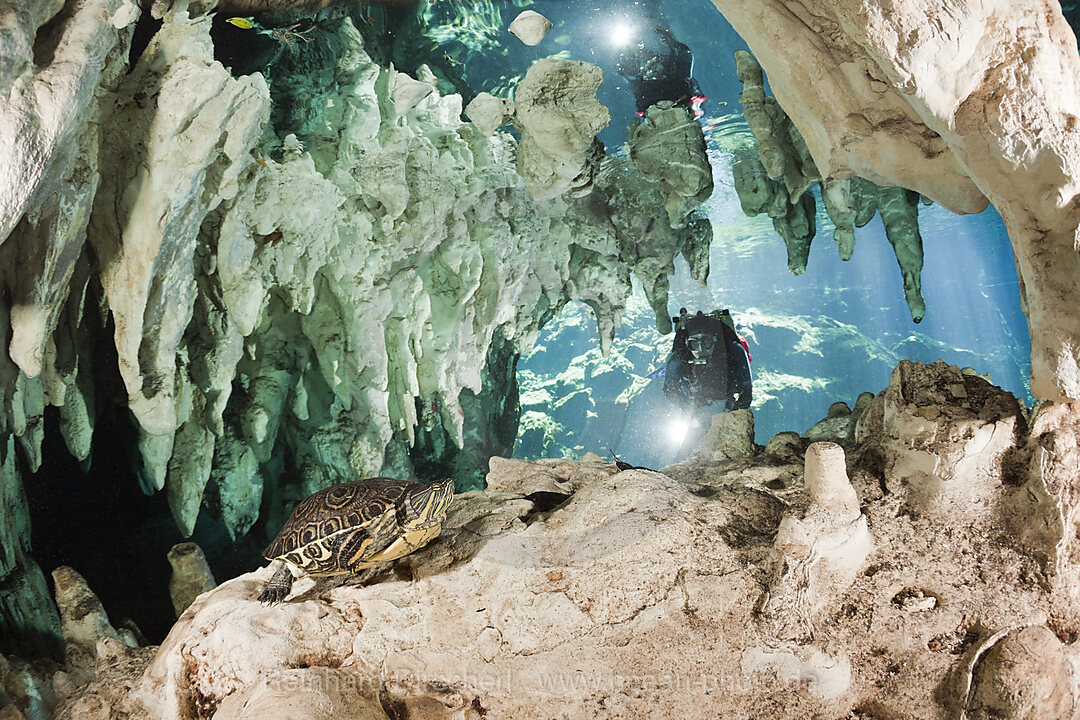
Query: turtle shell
(306, 540)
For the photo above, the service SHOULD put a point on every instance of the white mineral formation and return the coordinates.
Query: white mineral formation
(955, 430)
(558, 116)
(488, 112)
(1044, 494)
(1025, 674)
(407, 92)
(670, 149)
(817, 552)
(191, 575)
(777, 181)
(958, 104)
(83, 622)
(570, 588)
(530, 27)
(45, 143)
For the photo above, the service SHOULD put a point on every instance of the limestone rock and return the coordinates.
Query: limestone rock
(945, 436)
(200, 129)
(787, 445)
(777, 183)
(29, 623)
(730, 436)
(530, 27)
(117, 672)
(817, 554)
(841, 423)
(582, 184)
(318, 693)
(562, 477)
(558, 116)
(44, 141)
(189, 467)
(1042, 495)
(11, 712)
(191, 575)
(83, 622)
(407, 92)
(26, 689)
(488, 112)
(1025, 675)
(571, 571)
(630, 204)
(781, 148)
(670, 149)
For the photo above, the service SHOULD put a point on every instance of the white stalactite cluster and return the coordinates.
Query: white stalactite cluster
(271, 303)
(960, 103)
(778, 180)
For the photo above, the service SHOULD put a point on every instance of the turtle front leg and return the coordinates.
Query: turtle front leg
(279, 586)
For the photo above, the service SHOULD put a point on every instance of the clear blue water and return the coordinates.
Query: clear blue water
(827, 335)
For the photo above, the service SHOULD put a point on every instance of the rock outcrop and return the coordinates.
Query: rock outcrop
(670, 150)
(529, 27)
(787, 583)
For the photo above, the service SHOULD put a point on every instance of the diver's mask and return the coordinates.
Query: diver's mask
(701, 347)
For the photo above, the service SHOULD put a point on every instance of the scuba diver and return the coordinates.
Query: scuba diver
(709, 363)
(667, 74)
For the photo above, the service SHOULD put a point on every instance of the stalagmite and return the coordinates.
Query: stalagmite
(83, 622)
(191, 575)
(818, 552)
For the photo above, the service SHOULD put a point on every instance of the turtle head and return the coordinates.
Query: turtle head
(427, 506)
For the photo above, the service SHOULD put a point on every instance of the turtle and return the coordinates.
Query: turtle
(355, 525)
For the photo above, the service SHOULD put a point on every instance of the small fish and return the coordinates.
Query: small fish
(242, 23)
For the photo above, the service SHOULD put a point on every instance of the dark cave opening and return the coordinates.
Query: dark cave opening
(116, 537)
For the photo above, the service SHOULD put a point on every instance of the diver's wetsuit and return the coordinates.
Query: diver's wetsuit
(656, 76)
(724, 378)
